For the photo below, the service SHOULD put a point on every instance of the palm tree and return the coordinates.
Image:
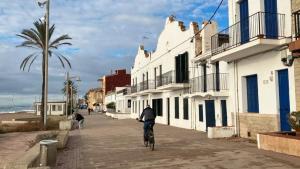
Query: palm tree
(70, 85)
(34, 38)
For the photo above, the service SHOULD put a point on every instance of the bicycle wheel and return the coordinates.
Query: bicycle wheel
(151, 140)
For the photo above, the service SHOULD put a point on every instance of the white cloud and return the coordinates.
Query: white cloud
(105, 32)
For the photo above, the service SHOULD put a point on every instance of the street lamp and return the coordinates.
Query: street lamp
(46, 3)
(71, 92)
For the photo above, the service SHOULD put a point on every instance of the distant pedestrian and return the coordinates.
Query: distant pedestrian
(89, 111)
(80, 119)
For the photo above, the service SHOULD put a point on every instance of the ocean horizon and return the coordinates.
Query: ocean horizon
(19, 103)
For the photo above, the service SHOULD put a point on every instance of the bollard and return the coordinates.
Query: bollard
(48, 152)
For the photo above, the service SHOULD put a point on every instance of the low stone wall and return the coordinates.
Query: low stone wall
(66, 125)
(253, 123)
(31, 158)
(279, 143)
(220, 132)
(118, 115)
(62, 139)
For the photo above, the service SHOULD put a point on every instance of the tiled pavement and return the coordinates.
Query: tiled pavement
(109, 143)
(13, 145)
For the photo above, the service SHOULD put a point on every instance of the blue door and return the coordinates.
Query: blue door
(252, 94)
(284, 99)
(271, 19)
(210, 113)
(224, 112)
(244, 21)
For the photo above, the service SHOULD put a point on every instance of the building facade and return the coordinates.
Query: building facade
(56, 108)
(261, 86)
(119, 79)
(123, 100)
(294, 47)
(171, 79)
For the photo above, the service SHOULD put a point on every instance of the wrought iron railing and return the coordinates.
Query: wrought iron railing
(134, 89)
(296, 16)
(170, 78)
(146, 85)
(259, 25)
(210, 82)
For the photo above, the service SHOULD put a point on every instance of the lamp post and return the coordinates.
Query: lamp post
(71, 90)
(42, 3)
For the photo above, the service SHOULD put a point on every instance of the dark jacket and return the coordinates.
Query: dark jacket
(149, 114)
(79, 117)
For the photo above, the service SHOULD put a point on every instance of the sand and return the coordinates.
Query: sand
(10, 116)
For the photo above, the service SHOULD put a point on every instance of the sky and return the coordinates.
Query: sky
(105, 36)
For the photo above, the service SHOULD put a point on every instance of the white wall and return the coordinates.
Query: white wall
(265, 66)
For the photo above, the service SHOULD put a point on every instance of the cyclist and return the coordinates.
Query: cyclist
(149, 120)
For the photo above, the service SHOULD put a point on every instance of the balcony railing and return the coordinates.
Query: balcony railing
(134, 89)
(296, 16)
(259, 25)
(146, 85)
(210, 82)
(170, 78)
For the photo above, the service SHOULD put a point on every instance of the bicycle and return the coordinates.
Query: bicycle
(150, 141)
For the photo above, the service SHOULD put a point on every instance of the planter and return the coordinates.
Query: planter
(281, 142)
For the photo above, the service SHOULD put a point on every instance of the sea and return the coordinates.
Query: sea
(23, 103)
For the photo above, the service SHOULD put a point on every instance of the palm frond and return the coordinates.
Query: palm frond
(59, 39)
(61, 61)
(31, 63)
(61, 44)
(24, 62)
(29, 44)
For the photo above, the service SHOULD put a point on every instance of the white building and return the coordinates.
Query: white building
(110, 98)
(162, 78)
(54, 108)
(261, 87)
(123, 100)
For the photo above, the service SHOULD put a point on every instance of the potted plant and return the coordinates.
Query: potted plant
(294, 120)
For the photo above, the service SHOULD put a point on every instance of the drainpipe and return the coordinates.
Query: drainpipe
(237, 108)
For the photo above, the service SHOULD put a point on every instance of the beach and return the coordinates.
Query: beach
(10, 116)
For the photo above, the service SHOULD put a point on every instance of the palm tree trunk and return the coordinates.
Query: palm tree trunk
(43, 95)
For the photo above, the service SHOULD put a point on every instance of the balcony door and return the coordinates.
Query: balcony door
(271, 19)
(182, 68)
(244, 21)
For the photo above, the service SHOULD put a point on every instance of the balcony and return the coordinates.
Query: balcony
(147, 87)
(134, 90)
(295, 45)
(211, 84)
(169, 81)
(258, 33)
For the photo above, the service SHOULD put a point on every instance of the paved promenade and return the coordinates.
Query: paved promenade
(109, 143)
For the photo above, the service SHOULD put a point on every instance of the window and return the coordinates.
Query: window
(129, 104)
(59, 108)
(182, 68)
(252, 94)
(176, 107)
(53, 108)
(157, 105)
(185, 108)
(39, 107)
(296, 16)
(200, 112)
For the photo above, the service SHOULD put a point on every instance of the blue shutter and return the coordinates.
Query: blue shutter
(271, 19)
(244, 21)
(252, 94)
